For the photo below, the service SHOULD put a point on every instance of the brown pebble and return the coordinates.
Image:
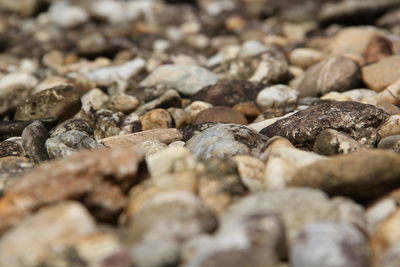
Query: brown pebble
(220, 114)
(156, 118)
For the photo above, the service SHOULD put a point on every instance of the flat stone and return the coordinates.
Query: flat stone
(363, 175)
(226, 140)
(82, 174)
(60, 102)
(220, 114)
(165, 136)
(187, 80)
(358, 120)
(383, 73)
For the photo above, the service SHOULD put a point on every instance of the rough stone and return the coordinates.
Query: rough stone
(72, 124)
(155, 119)
(11, 147)
(331, 142)
(11, 168)
(33, 138)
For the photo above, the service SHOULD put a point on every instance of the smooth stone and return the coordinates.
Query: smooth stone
(226, 140)
(33, 139)
(68, 143)
(153, 241)
(359, 95)
(390, 127)
(390, 142)
(332, 74)
(336, 96)
(331, 142)
(170, 98)
(95, 98)
(155, 119)
(23, 7)
(229, 92)
(151, 147)
(358, 120)
(362, 175)
(165, 136)
(380, 211)
(72, 124)
(305, 57)
(378, 48)
(387, 235)
(180, 116)
(220, 114)
(248, 109)
(196, 107)
(276, 96)
(12, 147)
(251, 171)
(298, 207)
(328, 244)
(391, 257)
(67, 16)
(123, 103)
(79, 175)
(383, 73)
(60, 102)
(187, 80)
(11, 169)
(191, 130)
(252, 48)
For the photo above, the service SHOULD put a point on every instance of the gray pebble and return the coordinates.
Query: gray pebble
(34, 137)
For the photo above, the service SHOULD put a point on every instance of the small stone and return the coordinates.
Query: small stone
(165, 136)
(247, 109)
(72, 124)
(390, 142)
(331, 142)
(155, 119)
(220, 114)
(196, 107)
(12, 147)
(68, 222)
(277, 96)
(328, 244)
(251, 171)
(80, 176)
(362, 175)
(305, 57)
(34, 137)
(391, 126)
(60, 102)
(170, 98)
(386, 235)
(332, 74)
(68, 143)
(187, 80)
(11, 168)
(358, 120)
(377, 49)
(229, 93)
(123, 103)
(151, 147)
(66, 15)
(96, 98)
(180, 116)
(226, 140)
(359, 95)
(105, 123)
(383, 73)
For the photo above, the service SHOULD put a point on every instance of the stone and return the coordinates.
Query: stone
(390, 258)
(155, 119)
(251, 171)
(151, 147)
(390, 95)
(165, 136)
(380, 211)
(11, 168)
(33, 140)
(298, 207)
(381, 74)
(180, 116)
(68, 222)
(229, 93)
(377, 49)
(96, 98)
(362, 175)
(390, 142)
(170, 98)
(67, 16)
(331, 142)
(220, 114)
(123, 103)
(85, 175)
(248, 109)
(153, 241)
(72, 124)
(60, 102)
(105, 123)
(196, 107)
(226, 140)
(12, 147)
(68, 143)
(332, 74)
(358, 120)
(24, 7)
(328, 244)
(305, 57)
(386, 235)
(187, 80)
(277, 96)
(391, 126)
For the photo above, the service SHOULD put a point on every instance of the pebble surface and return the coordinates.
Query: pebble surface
(200, 133)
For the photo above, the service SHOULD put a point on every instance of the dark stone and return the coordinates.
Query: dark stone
(34, 137)
(11, 147)
(353, 118)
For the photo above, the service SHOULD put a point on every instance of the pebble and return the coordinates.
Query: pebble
(226, 140)
(332, 74)
(386, 235)
(196, 107)
(358, 120)
(152, 146)
(155, 119)
(72, 124)
(170, 98)
(379, 75)
(33, 139)
(73, 221)
(123, 103)
(390, 142)
(66, 15)
(331, 142)
(390, 127)
(251, 171)
(187, 80)
(12, 147)
(362, 175)
(60, 102)
(81, 174)
(68, 143)
(95, 98)
(11, 169)
(328, 244)
(305, 57)
(277, 96)
(180, 116)
(220, 114)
